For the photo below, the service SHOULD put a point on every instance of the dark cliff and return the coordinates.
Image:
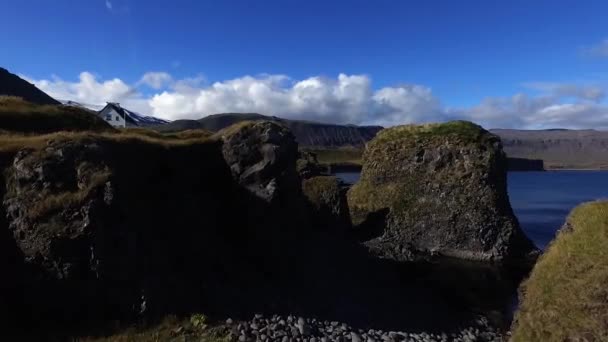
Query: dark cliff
(13, 85)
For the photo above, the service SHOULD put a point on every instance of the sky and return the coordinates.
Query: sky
(508, 64)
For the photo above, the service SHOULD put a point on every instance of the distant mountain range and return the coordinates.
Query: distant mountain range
(528, 149)
(307, 133)
(558, 148)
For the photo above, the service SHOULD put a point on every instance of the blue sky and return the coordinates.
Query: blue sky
(463, 54)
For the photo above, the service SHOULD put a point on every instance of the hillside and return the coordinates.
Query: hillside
(308, 134)
(13, 85)
(19, 116)
(559, 149)
(565, 297)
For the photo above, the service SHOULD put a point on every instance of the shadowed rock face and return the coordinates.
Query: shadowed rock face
(115, 230)
(439, 189)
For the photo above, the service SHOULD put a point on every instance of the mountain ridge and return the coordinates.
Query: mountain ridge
(13, 85)
(308, 133)
(555, 148)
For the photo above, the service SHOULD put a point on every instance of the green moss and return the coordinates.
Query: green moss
(321, 189)
(566, 297)
(368, 197)
(463, 130)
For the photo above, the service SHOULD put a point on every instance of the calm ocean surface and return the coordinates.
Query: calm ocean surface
(542, 200)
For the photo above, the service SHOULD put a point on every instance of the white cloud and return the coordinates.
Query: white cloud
(581, 92)
(598, 50)
(108, 5)
(523, 111)
(405, 104)
(344, 99)
(156, 79)
(89, 90)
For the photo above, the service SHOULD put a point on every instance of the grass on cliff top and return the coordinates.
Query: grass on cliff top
(345, 155)
(232, 129)
(566, 296)
(12, 142)
(465, 130)
(19, 116)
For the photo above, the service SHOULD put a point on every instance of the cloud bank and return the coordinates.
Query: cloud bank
(345, 99)
(598, 50)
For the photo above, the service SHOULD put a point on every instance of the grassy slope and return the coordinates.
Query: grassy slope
(566, 296)
(462, 130)
(19, 116)
(338, 156)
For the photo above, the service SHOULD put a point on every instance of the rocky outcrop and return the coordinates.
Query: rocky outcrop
(119, 229)
(437, 188)
(116, 227)
(262, 157)
(328, 203)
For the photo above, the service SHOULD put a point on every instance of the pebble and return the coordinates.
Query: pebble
(301, 329)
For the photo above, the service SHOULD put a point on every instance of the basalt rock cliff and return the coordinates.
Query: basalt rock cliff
(439, 189)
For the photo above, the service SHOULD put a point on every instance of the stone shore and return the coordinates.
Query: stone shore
(299, 329)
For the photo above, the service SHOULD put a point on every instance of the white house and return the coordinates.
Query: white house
(117, 116)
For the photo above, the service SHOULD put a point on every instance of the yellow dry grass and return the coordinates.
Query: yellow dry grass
(566, 296)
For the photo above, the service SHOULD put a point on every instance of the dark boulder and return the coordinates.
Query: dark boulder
(440, 189)
(262, 157)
